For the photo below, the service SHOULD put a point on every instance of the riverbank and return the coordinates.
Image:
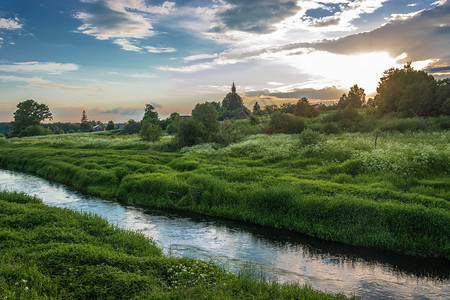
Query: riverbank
(49, 252)
(335, 188)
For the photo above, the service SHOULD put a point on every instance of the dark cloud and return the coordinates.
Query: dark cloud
(120, 111)
(327, 93)
(424, 36)
(255, 16)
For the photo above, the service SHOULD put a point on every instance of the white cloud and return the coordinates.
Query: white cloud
(126, 45)
(412, 4)
(10, 24)
(45, 83)
(121, 20)
(38, 67)
(143, 75)
(402, 17)
(200, 57)
(151, 49)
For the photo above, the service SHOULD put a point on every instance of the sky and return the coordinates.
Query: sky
(112, 57)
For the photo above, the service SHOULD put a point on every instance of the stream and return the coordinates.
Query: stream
(284, 256)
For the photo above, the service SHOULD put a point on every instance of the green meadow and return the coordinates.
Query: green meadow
(54, 253)
(333, 187)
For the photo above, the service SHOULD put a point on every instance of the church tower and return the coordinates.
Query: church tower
(233, 89)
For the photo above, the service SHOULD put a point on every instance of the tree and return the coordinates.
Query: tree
(232, 105)
(150, 115)
(110, 126)
(85, 126)
(150, 132)
(29, 113)
(131, 127)
(355, 97)
(286, 123)
(257, 109)
(401, 90)
(443, 96)
(206, 115)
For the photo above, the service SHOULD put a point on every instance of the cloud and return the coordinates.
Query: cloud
(118, 111)
(126, 45)
(143, 75)
(200, 57)
(38, 67)
(123, 20)
(422, 36)
(327, 93)
(10, 24)
(48, 84)
(344, 12)
(255, 16)
(151, 49)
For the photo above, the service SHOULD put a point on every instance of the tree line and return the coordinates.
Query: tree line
(399, 91)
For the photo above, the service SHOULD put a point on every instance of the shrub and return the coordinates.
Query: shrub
(150, 132)
(286, 123)
(34, 130)
(309, 137)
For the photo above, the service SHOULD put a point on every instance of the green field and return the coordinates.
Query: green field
(53, 253)
(334, 187)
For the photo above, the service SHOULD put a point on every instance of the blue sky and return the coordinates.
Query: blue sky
(111, 57)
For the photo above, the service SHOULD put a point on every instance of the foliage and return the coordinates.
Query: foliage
(33, 130)
(304, 109)
(150, 132)
(286, 123)
(400, 90)
(131, 127)
(188, 133)
(229, 133)
(232, 106)
(85, 126)
(256, 108)
(150, 115)
(29, 113)
(110, 126)
(356, 97)
(201, 128)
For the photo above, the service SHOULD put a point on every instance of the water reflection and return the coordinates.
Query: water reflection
(282, 255)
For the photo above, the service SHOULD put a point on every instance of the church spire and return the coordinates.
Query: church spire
(233, 88)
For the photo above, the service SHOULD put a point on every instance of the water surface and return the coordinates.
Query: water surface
(284, 256)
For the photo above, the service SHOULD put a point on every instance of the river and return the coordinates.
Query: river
(281, 255)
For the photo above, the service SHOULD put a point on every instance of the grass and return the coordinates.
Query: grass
(334, 187)
(53, 253)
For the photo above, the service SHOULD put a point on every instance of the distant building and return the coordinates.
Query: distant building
(99, 128)
(185, 118)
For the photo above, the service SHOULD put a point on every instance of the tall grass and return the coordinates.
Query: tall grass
(339, 188)
(54, 253)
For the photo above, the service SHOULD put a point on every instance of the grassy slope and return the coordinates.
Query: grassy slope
(335, 188)
(54, 253)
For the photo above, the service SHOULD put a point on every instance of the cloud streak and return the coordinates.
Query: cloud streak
(38, 67)
(48, 84)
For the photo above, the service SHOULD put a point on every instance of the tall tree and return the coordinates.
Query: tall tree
(232, 105)
(150, 115)
(401, 90)
(85, 126)
(29, 113)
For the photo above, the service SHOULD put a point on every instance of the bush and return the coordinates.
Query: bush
(286, 123)
(150, 132)
(401, 125)
(309, 137)
(229, 133)
(34, 130)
